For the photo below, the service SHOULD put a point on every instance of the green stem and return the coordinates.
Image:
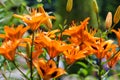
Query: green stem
(68, 66)
(4, 76)
(100, 69)
(2, 63)
(31, 71)
(9, 68)
(38, 76)
(113, 26)
(89, 61)
(109, 30)
(58, 58)
(98, 20)
(20, 70)
(106, 73)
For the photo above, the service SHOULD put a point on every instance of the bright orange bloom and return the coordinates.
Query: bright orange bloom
(39, 45)
(12, 33)
(101, 47)
(52, 34)
(112, 62)
(92, 31)
(48, 69)
(117, 34)
(74, 54)
(79, 34)
(8, 49)
(37, 51)
(35, 19)
(54, 47)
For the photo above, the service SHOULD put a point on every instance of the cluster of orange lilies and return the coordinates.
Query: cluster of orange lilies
(80, 43)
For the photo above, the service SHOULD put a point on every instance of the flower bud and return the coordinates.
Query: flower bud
(95, 6)
(69, 5)
(28, 49)
(108, 21)
(117, 15)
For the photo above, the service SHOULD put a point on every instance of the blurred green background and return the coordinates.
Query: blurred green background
(81, 10)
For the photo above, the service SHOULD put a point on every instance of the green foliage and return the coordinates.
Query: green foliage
(8, 8)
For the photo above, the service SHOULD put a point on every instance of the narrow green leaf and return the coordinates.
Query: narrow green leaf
(83, 71)
(60, 27)
(82, 64)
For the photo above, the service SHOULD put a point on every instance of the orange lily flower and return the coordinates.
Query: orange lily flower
(114, 59)
(39, 43)
(8, 49)
(54, 47)
(12, 33)
(48, 69)
(117, 34)
(52, 34)
(35, 19)
(38, 50)
(101, 47)
(79, 34)
(76, 30)
(74, 54)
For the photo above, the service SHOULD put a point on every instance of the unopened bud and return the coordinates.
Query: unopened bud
(28, 49)
(95, 6)
(69, 5)
(108, 21)
(117, 15)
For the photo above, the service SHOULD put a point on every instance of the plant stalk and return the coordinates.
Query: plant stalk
(100, 69)
(31, 70)
(20, 71)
